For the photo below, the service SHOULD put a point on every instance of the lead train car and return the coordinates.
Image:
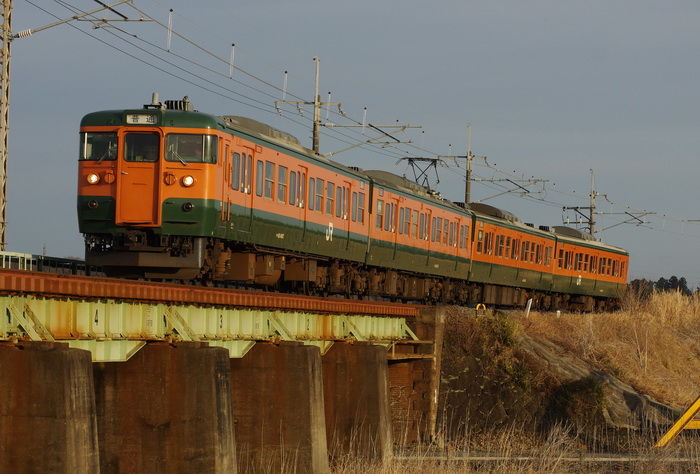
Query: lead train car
(167, 192)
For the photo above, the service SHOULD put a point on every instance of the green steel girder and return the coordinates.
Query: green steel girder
(115, 330)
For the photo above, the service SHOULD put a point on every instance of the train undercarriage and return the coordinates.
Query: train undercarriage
(214, 262)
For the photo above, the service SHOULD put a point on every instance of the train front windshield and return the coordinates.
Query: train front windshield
(98, 146)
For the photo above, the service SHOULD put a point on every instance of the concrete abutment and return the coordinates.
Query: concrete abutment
(278, 409)
(358, 421)
(47, 409)
(167, 409)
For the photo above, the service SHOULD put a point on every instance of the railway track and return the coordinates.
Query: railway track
(24, 282)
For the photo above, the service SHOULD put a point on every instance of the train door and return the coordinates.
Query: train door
(246, 188)
(138, 189)
(345, 194)
(225, 169)
(394, 224)
(302, 183)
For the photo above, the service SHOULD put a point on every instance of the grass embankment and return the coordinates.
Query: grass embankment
(653, 345)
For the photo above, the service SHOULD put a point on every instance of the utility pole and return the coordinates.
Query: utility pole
(317, 123)
(590, 218)
(7, 38)
(629, 217)
(470, 157)
(316, 130)
(4, 111)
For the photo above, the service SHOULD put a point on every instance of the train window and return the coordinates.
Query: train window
(98, 146)
(319, 195)
(525, 251)
(560, 260)
(616, 268)
(346, 203)
(538, 254)
(402, 217)
(312, 189)
(236, 171)
(293, 188)
(414, 224)
(547, 256)
(463, 236)
(141, 147)
(330, 193)
(269, 179)
(515, 250)
(361, 208)
(586, 257)
(389, 217)
(301, 179)
(622, 269)
(191, 148)
(452, 234)
(445, 230)
(339, 202)
(480, 242)
(423, 231)
(282, 184)
(354, 207)
(506, 248)
(259, 178)
(437, 222)
(380, 213)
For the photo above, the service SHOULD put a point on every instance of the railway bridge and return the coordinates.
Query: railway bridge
(107, 375)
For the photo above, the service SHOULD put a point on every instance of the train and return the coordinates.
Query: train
(168, 192)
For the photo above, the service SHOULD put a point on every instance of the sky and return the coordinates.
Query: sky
(551, 88)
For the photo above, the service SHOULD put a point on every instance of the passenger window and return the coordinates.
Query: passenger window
(330, 192)
(361, 207)
(380, 213)
(282, 184)
(293, 188)
(269, 178)
(312, 190)
(338, 202)
(354, 207)
(236, 171)
(319, 194)
(259, 178)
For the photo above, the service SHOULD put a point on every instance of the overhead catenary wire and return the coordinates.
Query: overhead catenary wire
(333, 133)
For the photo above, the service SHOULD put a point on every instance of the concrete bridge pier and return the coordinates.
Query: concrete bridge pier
(167, 409)
(278, 409)
(47, 409)
(358, 420)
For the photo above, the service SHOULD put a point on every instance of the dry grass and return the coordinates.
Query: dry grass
(652, 345)
(514, 451)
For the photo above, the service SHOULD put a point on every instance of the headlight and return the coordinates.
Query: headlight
(93, 178)
(187, 181)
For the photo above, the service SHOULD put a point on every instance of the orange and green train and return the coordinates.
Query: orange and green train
(168, 192)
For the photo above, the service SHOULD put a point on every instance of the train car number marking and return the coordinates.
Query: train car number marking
(329, 232)
(578, 281)
(279, 235)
